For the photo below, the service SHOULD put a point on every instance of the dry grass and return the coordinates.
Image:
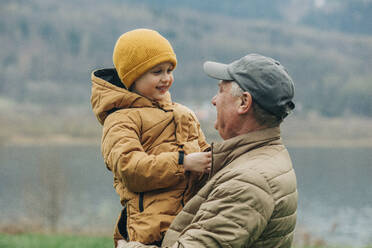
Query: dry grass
(314, 130)
(81, 127)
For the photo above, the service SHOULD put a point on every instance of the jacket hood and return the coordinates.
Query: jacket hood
(109, 95)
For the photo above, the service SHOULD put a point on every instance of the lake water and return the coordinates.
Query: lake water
(71, 186)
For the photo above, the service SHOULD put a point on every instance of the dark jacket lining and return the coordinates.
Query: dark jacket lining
(110, 75)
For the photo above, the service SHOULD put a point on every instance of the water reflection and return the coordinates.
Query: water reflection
(335, 197)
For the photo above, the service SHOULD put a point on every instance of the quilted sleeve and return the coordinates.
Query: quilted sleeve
(126, 158)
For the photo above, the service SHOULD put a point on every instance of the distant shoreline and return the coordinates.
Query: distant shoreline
(65, 140)
(357, 143)
(296, 131)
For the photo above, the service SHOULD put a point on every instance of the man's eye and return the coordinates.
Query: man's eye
(157, 72)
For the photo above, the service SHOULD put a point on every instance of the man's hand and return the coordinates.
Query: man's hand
(198, 162)
(122, 243)
(125, 244)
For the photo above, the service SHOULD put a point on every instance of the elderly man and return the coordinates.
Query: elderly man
(250, 199)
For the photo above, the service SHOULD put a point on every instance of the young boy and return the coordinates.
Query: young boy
(154, 147)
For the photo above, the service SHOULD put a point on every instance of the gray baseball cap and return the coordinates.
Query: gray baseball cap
(264, 78)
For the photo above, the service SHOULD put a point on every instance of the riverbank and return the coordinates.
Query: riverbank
(33, 240)
(297, 131)
(317, 131)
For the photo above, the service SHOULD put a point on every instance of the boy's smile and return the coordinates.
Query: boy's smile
(154, 83)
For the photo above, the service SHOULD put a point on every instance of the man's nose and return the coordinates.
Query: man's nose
(214, 100)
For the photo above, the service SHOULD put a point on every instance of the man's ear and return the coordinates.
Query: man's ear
(246, 103)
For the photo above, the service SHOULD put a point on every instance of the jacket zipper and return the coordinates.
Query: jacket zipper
(180, 161)
(212, 164)
(187, 186)
(140, 201)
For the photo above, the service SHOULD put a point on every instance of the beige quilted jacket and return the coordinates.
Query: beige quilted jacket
(250, 201)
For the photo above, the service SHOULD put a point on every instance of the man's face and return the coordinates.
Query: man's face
(226, 106)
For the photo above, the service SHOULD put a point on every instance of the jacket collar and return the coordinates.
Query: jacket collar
(228, 150)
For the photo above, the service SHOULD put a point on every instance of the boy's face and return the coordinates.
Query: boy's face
(154, 83)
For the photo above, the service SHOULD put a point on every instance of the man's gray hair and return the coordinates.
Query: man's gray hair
(236, 90)
(263, 117)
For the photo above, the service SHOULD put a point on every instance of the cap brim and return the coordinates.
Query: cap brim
(217, 70)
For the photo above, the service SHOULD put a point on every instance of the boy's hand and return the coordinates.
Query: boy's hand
(198, 162)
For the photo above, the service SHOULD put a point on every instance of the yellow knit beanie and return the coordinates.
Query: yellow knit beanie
(139, 50)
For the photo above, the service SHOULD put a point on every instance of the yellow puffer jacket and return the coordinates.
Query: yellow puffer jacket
(141, 141)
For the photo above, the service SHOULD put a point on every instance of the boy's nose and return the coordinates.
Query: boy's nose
(165, 77)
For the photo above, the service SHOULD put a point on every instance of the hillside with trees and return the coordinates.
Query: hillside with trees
(49, 49)
(349, 16)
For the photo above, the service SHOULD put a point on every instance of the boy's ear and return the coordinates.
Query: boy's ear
(245, 104)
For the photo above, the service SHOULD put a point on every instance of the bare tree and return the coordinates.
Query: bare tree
(53, 185)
